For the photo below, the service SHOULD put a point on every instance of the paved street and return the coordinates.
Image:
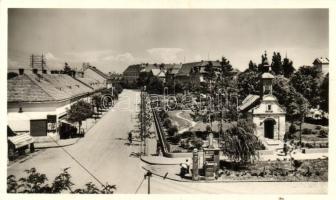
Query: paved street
(105, 153)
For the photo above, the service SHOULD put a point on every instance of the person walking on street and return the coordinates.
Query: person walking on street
(130, 137)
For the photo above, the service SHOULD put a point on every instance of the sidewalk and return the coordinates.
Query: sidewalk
(160, 160)
(59, 143)
(87, 125)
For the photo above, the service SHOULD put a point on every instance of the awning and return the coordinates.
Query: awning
(18, 122)
(66, 122)
(21, 140)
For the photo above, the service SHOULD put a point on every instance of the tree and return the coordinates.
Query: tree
(67, 69)
(248, 83)
(36, 182)
(172, 130)
(210, 76)
(240, 142)
(226, 67)
(79, 112)
(307, 81)
(11, 75)
(155, 85)
(324, 93)
(252, 66)
(298, 109)
(276, 64)
(97, 101)
(288, 68)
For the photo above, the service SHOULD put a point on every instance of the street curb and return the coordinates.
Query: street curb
(58, 145)
(152, 163)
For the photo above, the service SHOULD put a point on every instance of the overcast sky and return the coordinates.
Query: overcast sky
(112, 39)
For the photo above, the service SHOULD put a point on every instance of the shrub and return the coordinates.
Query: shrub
(288, 136)
(167, 123)
(296, 164)
(292, 129)
(175, 139)
(318, 127)
(323, 133)
(260, 145)
(172, 130)
(186, 134)
(35, 182)
(307, 131)
(197, 142)
(308, 145)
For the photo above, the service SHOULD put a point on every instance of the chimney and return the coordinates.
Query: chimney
(21, 71)
(35, 71)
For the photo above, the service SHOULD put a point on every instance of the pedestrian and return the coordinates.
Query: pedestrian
(187, 165)
(130, 137)
(183, 170)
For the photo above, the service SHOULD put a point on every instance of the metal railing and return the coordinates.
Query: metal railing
(162, 139)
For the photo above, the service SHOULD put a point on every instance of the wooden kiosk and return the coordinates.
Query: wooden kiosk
(210, 160)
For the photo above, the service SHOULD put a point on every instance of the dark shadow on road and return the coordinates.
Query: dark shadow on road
(135, 154)
(133, 144)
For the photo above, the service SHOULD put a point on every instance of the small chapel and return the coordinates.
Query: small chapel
(265, 112)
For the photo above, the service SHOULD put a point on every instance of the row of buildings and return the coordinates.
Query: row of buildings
(38, 99)
(189, 73)
(192, 74)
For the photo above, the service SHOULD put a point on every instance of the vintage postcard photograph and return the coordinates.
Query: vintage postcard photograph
(167, 101)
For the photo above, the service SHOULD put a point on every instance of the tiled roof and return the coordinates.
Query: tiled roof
(321, 60)
(173, 71)
(66, 83)
(46, 87)
(149, 68)
(186, 68)
(92, 83)
(172, 66)
(161, 74)
(156, 72)
(22, 88)
(99, 72)
(248, 101)
(132, 69)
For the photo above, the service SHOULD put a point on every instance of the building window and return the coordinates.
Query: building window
(269, 107)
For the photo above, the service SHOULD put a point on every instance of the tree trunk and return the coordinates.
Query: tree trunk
(301, 122)
(79, 127)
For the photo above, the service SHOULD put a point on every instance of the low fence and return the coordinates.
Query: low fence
(162, 139)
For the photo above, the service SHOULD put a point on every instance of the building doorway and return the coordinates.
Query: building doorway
(269, 128)
(38, 127)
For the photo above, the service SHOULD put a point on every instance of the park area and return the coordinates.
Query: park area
(183, 133)
(285, 170)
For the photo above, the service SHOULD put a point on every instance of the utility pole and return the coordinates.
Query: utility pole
(148, 175)
(32, 60)
(141, 119)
